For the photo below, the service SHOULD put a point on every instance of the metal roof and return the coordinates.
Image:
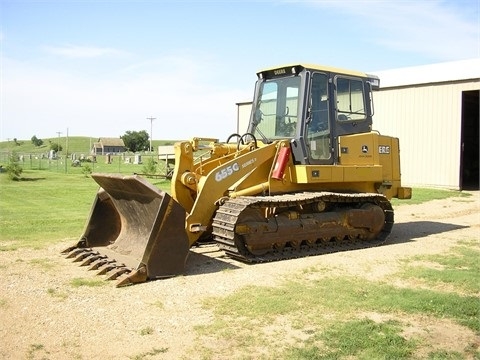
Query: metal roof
(428, 74)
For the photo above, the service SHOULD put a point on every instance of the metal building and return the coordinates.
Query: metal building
(434, 110)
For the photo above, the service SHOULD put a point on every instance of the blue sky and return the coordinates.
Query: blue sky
(101, 68)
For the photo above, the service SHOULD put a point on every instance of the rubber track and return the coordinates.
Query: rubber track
(228, 214)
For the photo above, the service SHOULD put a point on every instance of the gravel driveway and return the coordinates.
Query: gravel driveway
(42, 316)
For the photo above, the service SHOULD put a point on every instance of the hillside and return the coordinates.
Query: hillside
(76, 144)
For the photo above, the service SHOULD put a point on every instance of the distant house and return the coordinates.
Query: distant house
(108, 146)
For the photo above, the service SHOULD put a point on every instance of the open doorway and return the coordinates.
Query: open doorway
(469, 168)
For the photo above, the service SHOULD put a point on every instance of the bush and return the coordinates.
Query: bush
(150, 166)
(86, 170)
(13, 168)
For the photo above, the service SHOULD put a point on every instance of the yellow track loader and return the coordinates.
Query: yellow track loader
(309, 176)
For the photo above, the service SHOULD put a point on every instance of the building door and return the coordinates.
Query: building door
(469, 168)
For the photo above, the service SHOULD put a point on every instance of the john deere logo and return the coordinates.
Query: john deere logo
(364, 149)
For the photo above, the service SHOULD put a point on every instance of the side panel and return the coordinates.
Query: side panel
(359, 149)
(372, 149)
(312, 174)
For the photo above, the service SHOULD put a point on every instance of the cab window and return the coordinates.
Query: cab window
(276, 111)
(350, 100)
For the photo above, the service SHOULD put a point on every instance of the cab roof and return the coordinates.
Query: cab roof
(317, 68)
(293, 69)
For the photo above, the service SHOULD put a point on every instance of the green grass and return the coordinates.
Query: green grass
(158, 304)
(421, 195)
(44, 264)
(3, 303)
(76, 144)
(345, 295)
(146, 331)
(460, 268)
(46, 207)
(57, 293)
(329, 313)
(149, 354)
(79, 282)
(361, 339)
(36, 351)
(446, 355)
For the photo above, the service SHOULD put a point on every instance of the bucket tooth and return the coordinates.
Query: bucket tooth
(69, 249)
(84, 255)
(77, 251)
(91, 259)
(102, 270)
(134, 277)
(96, 264)
(115, 273)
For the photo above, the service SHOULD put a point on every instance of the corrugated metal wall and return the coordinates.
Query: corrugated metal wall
(427, 119)
(243, 116)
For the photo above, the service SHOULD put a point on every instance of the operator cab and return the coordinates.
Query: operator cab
(312, 106)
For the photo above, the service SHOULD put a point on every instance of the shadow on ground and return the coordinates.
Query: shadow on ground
(409, 231)
(208, 258)
(31, 179)
(205, 259)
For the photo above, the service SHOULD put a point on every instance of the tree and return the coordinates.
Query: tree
(36, 141)
(136, 140)
(13, 168)
(55, 147)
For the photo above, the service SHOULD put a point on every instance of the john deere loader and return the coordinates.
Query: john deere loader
(309, 176)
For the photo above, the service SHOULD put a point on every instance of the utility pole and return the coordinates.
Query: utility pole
(66, 152)
(151, 122)
(58, 147)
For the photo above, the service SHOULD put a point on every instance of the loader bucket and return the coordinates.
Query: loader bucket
(135, 232)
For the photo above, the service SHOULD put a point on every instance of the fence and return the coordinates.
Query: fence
(123, 163)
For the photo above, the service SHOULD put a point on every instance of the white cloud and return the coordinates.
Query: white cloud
(76, 51)
(432, 28)
(39, 101)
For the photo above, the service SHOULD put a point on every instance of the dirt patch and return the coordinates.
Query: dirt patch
(43, 316)
(440, 336)
(432, 335)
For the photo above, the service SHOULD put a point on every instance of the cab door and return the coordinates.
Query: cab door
(318, 129)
